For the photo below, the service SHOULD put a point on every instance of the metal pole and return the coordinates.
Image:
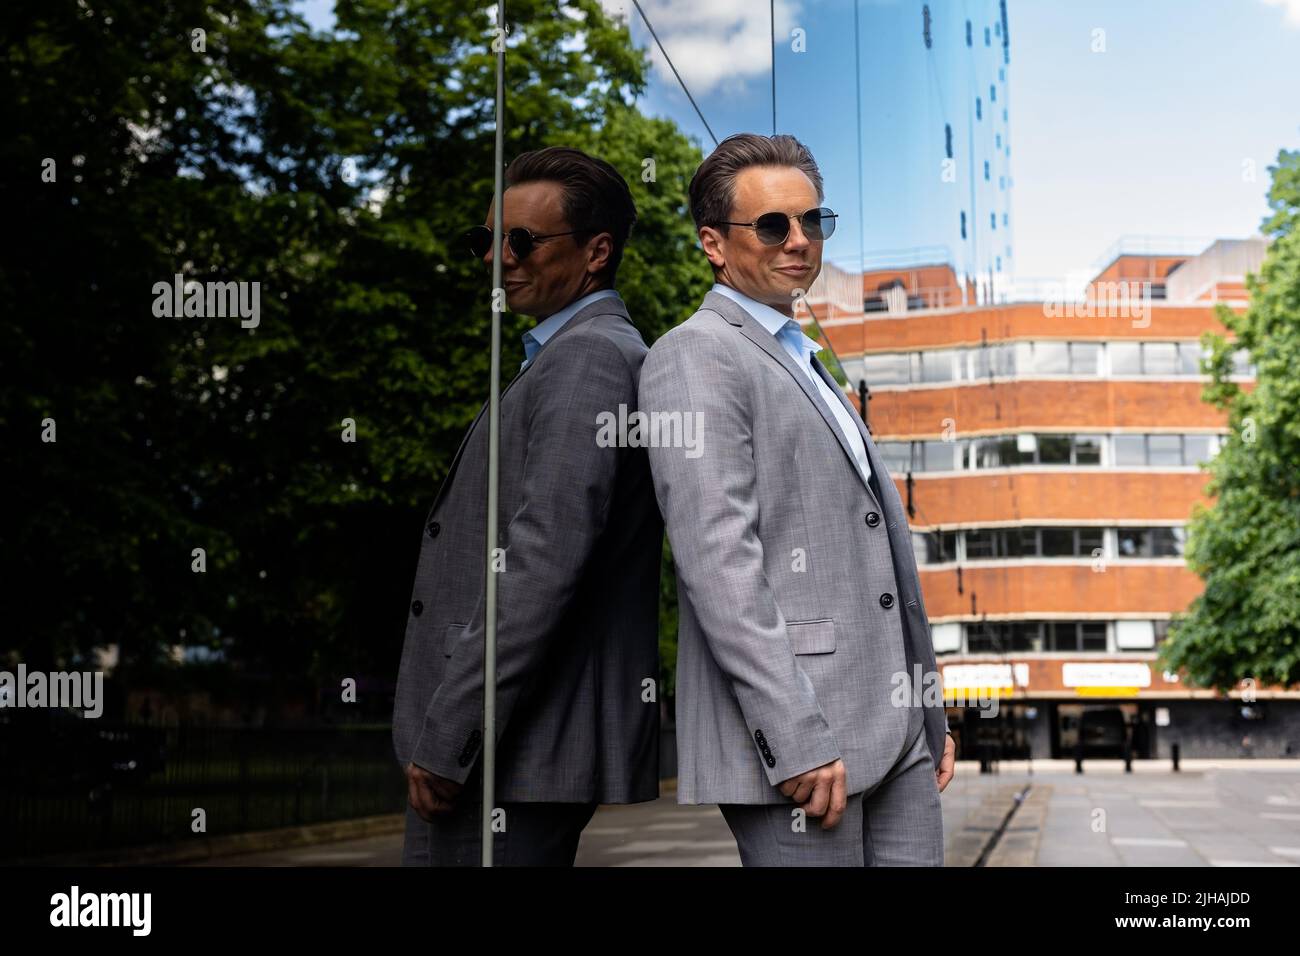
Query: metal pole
(494, 447)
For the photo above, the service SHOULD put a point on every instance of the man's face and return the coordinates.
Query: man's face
(558, 270)
(767, 274)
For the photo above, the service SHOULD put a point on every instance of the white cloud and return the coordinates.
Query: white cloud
(716, 45)
(1291, 7)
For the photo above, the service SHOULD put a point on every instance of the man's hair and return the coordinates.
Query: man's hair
(595, 197)
(713, 187)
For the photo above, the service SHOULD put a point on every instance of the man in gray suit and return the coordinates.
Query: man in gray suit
(578, 562)
(806, 679)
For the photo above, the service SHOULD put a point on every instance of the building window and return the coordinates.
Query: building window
(1165, 451)
(1085, 358)
(935, 366)
(1001, 637)
(897, 456)
(1155, 358)
(934, 547)
(1197, 449)
(888, 369)
(941, 455)
(1054, 450)
(1160, 358)
(1130, 450)
(1049, 449)
(985, 544)
(1241, 363)
(1049, 358)
(1162, 451)
(1076, 635)
(1125, 358)
(1087, 450)
(1151, 542)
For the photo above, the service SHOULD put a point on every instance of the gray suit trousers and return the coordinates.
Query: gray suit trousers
(897, 823)
(535, 834)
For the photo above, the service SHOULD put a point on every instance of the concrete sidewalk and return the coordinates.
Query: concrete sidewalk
(1222, 813)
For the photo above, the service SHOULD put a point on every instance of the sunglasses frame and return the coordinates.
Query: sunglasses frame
(533, 239)
(786, 235)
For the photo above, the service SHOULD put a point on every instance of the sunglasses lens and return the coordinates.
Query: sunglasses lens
(771, 228)
(521, 242)
(818, 223)
(478, 241)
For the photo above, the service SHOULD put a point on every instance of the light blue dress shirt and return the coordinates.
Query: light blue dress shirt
(538, 335)
(801, 349)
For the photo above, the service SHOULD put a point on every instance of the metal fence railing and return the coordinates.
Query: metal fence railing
(70, 785)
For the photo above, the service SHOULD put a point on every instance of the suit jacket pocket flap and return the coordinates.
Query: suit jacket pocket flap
(811, 637)
(454, 633)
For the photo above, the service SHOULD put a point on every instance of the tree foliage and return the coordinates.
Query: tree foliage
(1246, 547)
(338, 171)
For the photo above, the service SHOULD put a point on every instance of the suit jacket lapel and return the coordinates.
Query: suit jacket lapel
(750, 328)
(873, 456)
(607, 306)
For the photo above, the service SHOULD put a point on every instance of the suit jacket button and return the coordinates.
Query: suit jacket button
(433, 528)
(886, 600)
(873, 519)
(771, 761)
(417, 607)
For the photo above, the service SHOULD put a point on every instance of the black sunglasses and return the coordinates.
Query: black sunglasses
(772, 228)
(478, 240)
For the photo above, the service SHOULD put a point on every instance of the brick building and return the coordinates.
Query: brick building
(1048, 450)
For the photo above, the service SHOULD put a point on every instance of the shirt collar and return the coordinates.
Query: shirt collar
(540, 333)
(768, 317)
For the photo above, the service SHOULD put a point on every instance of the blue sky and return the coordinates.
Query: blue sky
(1156, 135)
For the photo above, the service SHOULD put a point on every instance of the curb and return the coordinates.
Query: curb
(259, 841)
(205, 848)
(1160, 765)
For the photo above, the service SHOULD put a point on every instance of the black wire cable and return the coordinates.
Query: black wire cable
(771, 17)
(646, 20)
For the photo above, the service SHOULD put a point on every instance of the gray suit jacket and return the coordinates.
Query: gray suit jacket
(577, 599)
(801, 619)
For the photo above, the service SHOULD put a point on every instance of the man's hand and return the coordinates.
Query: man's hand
(429, 793)
(948, 765)
(820, 792)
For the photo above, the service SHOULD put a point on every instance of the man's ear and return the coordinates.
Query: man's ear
(712, 241)
(599, 249)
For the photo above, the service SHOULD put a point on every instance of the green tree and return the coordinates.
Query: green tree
(338, 170)
(1246, 546)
